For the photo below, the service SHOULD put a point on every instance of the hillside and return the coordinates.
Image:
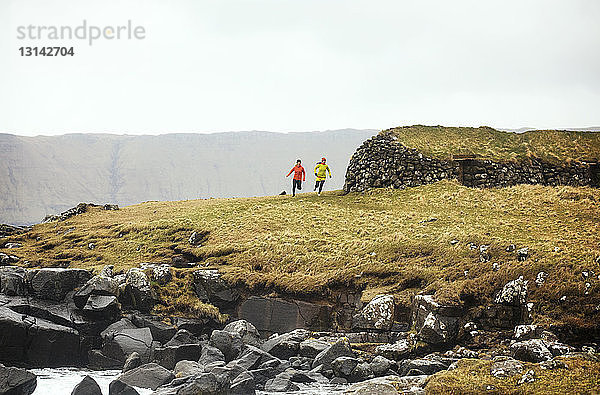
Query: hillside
(386, 241)
(47, 175)
(553, 146)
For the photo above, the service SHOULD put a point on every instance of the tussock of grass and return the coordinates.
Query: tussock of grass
(473, 377)
(553, 146)
(308, 245)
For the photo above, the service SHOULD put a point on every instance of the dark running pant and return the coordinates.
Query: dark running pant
(319, 184)
(296, 184)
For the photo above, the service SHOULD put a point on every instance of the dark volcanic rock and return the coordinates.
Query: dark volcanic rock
(137, 292)
(12, 281)
(55, 283)
(531, 351)
(341, 348)
(245, 330)
(133, 361)
(161, 331)
(150, 375)
(312, 347)
(210, 354)
(15, 381)
(120, 388)
(229, 344)
(87, 386)
(36, 341)
(102, 307)
(118, 346)
(97, 285)
(274, 315)
(286, 345)
(211, 288)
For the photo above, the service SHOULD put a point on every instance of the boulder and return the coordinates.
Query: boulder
(132, 362)
(211, 288)
(102, 307)
(245, 330)
(253, 357)
(117, 387)
(344, 366)
(534, 350)
(380, 366)
(514, 293)
(168, 356)
(15, 381)
(388, 385)
(204, 383)
(229, 344)
(361, 372)
(526, 332)
(435, 323)
(377, 314)
(87, 386)
(55, 283)
(275, 315)
(121, 344)
(243, 384)
(310, 348)
(281, 383)
(97, 285)
(187, 368)
(12, 281)
(99, 361)
(161, 331)
(210, 354)
(340, 348)
(426, 366)
(505, 367)
(396, 351)
(286, 345)
(6, 259)
(137, 292)
(37, 342)
(150, 375)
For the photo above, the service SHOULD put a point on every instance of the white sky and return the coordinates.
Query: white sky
(298, 65)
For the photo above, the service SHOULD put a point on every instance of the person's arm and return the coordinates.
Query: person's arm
(303, 175)
(316, 167)
(290, 172)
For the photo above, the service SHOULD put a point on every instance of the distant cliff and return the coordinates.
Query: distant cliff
(46, 175)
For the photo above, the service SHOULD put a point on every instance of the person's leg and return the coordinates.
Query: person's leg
(299, 185)
(321, 185)
(293, 187)
(316, 185)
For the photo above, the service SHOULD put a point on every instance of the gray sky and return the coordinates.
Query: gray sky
(298, 65)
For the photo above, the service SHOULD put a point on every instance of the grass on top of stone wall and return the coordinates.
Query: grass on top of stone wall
(552, 146)
(387, 241)
(472, 376)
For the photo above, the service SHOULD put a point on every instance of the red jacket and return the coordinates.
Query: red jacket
(299, 173)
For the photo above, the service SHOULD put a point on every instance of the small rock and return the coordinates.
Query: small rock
(553, 364)
(133, 361)
(522, 254)
(340, 348)
(511, 248)
(528, 377)
(540, 279)
(505, 367)
(514, 293)
(534, 350)
(162, 274)
(245, 330)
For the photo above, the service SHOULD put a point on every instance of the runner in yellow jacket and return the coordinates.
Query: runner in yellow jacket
(321, 170)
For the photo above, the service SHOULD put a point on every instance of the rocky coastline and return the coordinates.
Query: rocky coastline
(69, 317)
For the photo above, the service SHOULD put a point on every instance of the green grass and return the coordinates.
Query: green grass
(473, 377)
(553, 146)
(309, 245)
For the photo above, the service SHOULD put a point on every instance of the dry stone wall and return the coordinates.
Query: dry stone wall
(382, 161)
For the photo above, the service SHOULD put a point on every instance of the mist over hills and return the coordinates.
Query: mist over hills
(46, 175)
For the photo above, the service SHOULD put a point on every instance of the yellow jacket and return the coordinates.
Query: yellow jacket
(321, 170)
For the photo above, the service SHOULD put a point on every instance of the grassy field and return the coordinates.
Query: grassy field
(393, 241)
(549, 145)
(473, 377)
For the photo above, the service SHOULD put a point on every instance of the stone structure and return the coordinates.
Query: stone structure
(382, 161)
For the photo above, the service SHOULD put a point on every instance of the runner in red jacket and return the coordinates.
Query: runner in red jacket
(299, 176)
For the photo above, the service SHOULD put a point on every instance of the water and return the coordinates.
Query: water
(61, 381)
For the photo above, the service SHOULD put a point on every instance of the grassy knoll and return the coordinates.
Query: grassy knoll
(378, 240)
(473, 377)
(553, 146)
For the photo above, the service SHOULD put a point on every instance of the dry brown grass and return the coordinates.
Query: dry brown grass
(550, 145)
(473, 377)
(308, 245)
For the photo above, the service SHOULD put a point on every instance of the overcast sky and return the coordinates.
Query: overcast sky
(301, 65)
